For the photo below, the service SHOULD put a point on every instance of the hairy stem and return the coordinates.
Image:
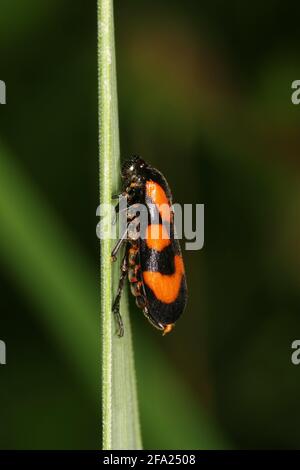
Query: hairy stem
(119, 398)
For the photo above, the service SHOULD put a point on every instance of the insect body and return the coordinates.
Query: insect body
(153, 260)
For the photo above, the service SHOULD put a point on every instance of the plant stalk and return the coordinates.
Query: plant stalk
(120, 418)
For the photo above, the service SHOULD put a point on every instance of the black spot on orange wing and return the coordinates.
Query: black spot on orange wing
(165, 289)
(166, 313)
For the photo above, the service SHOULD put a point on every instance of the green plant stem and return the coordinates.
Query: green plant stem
(105, 122)
(119, 398)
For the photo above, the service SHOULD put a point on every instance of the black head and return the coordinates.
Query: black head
(132, 168)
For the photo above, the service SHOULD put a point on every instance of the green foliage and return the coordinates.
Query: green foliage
(206, 98)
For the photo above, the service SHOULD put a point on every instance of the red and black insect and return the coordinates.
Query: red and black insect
(153, 262)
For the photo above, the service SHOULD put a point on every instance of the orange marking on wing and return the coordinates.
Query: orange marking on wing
(157, 237)
(166, 286)
(168, 328)
(159, 197)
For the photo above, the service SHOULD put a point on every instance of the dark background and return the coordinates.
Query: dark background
(205, 95)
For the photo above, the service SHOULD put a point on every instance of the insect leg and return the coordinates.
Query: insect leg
(119, 244)
(121, 239)
(117, 207)
(116, 304)
(119, 211)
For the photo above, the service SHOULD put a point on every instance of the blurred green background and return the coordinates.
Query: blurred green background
(204, 94)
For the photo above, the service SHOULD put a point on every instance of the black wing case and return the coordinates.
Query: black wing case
(163, 262)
